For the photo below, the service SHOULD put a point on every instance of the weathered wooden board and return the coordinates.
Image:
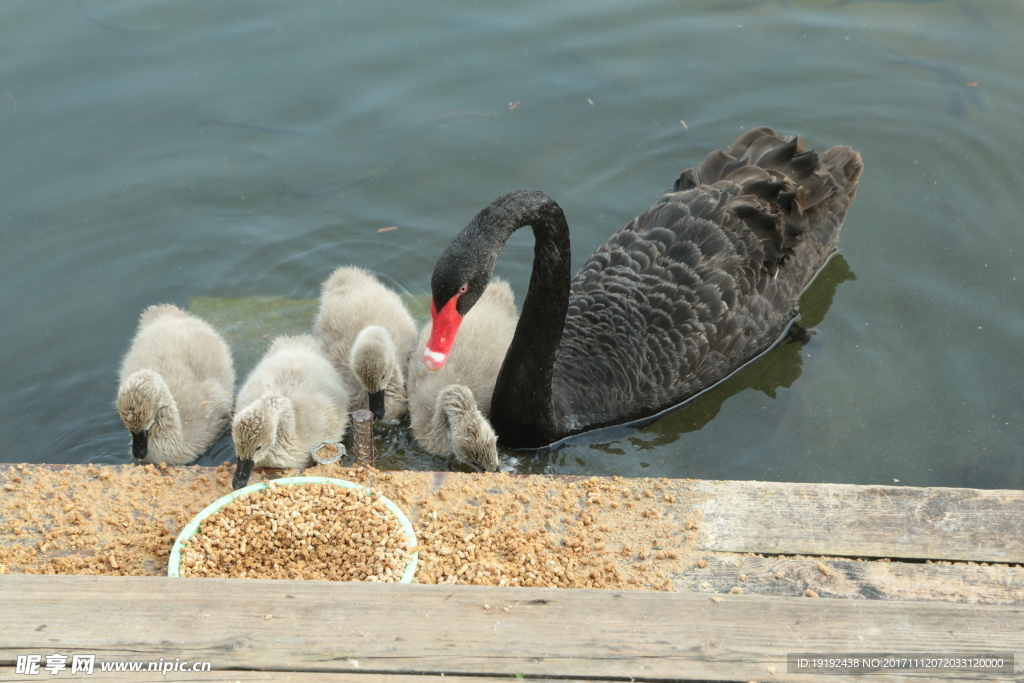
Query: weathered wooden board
(720, 519)
(863, 521)
(255, 625)
(914, 582)
(229, 676)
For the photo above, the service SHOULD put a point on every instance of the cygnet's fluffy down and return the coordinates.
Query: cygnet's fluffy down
(175, 386)
(292, 401)
(448, 408)
(368, 335)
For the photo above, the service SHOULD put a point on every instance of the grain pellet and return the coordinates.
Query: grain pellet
(316, 531)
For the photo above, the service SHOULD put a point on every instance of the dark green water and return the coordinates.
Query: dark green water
(224, 152)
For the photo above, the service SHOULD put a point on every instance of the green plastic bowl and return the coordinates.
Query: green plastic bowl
(192, 528)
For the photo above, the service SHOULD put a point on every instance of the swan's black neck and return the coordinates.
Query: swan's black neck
(522, 407)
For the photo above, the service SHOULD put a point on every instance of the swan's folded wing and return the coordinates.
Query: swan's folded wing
(668, 306)
(703, 281)
(791, 198)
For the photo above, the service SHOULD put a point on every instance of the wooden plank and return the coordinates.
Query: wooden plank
(77, 519)
(863, 521)
(913, 582)
(229, 676)
(258, 625)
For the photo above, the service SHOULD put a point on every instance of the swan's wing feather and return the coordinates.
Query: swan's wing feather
(701, 282)
(663, 309)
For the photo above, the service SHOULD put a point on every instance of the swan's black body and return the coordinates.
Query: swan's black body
(694, 287)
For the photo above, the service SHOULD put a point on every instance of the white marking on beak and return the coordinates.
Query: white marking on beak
(433, 359)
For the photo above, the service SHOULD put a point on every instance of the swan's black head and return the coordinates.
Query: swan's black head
(465, 267)
(460, 277)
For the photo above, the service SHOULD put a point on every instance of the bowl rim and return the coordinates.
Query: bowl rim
(192, 528)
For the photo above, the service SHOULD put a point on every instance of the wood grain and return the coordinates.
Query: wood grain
(352, 628)
(231, 676)
(912, 582)
(863, 521)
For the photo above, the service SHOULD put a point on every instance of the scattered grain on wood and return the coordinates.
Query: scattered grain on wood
(76, 519)
(483, 529)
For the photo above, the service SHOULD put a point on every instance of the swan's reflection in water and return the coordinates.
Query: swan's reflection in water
(597, 452)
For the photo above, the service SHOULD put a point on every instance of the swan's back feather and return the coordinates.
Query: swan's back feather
(352, 299)
(295, 367)
(703, 281)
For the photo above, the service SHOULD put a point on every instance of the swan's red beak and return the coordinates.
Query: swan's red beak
(446, 324)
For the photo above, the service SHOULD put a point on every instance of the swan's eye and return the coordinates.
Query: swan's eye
(463, 289)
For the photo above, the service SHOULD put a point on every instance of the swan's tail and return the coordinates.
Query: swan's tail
(790, 197)
(840, 168)
(845, 167)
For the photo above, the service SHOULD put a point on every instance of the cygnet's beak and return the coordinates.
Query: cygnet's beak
(242, 471)
(377, 405)
(140, 445)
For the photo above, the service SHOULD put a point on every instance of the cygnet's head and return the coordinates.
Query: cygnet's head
(138, 399)
(473, 439)
(254, 432)
(373, 361)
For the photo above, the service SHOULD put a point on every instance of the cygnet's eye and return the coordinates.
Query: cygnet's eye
(463, 289)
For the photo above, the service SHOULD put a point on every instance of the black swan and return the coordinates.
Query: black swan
(699, 284)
